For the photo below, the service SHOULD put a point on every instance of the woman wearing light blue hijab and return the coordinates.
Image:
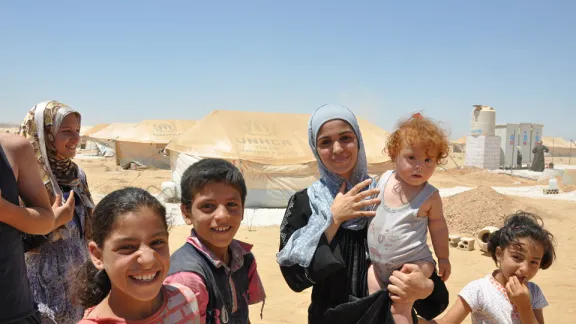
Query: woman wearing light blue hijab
(323, 233)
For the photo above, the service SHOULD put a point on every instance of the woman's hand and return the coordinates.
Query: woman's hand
(409, 284)
(349, 205)
(63, 213)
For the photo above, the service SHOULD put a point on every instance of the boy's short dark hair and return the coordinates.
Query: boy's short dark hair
(210, 170)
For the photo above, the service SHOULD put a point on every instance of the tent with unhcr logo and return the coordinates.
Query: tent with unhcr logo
(105, 138)
(144, 143)
(271, 149)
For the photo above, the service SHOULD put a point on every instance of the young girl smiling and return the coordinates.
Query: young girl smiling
(123, 282)
(507, 295)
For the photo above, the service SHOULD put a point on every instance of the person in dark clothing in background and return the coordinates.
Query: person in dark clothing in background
(538, 162)
(19, 177)
(323, 233)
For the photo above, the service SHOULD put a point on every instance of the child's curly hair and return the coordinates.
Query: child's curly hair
(419, 130)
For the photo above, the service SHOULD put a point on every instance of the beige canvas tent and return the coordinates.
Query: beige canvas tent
(271, 149)
(85, 132)
(85, 129)
(109, 133)
(559, 147)
(145, 142)
(461, 140)
(106, 137)
(459, 145)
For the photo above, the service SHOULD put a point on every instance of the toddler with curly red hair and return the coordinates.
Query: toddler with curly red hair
(409, 207)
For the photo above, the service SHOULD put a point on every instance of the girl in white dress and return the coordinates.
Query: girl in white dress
(507, 296)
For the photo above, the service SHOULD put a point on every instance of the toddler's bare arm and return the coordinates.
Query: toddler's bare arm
(438, 227)
(439, 234)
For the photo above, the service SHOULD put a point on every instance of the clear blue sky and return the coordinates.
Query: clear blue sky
(133, 60)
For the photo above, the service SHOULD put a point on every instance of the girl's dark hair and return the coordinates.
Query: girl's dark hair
(523, 225)
(89, 285)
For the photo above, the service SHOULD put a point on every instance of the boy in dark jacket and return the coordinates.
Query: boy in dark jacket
(219, 269)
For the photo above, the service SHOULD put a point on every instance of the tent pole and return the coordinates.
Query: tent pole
(570, 153)
(513, 148)
(553, 149)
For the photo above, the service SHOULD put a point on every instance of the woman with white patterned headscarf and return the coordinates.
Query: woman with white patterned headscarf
(53, 129)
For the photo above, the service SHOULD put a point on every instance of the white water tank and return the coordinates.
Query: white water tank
(483, 121)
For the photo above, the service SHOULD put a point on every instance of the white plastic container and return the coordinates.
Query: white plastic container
(483, 121)
(169, 189)
(553, 184)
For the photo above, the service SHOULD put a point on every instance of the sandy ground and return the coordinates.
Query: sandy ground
(104, 176)
(286, 306)
(12, 130)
